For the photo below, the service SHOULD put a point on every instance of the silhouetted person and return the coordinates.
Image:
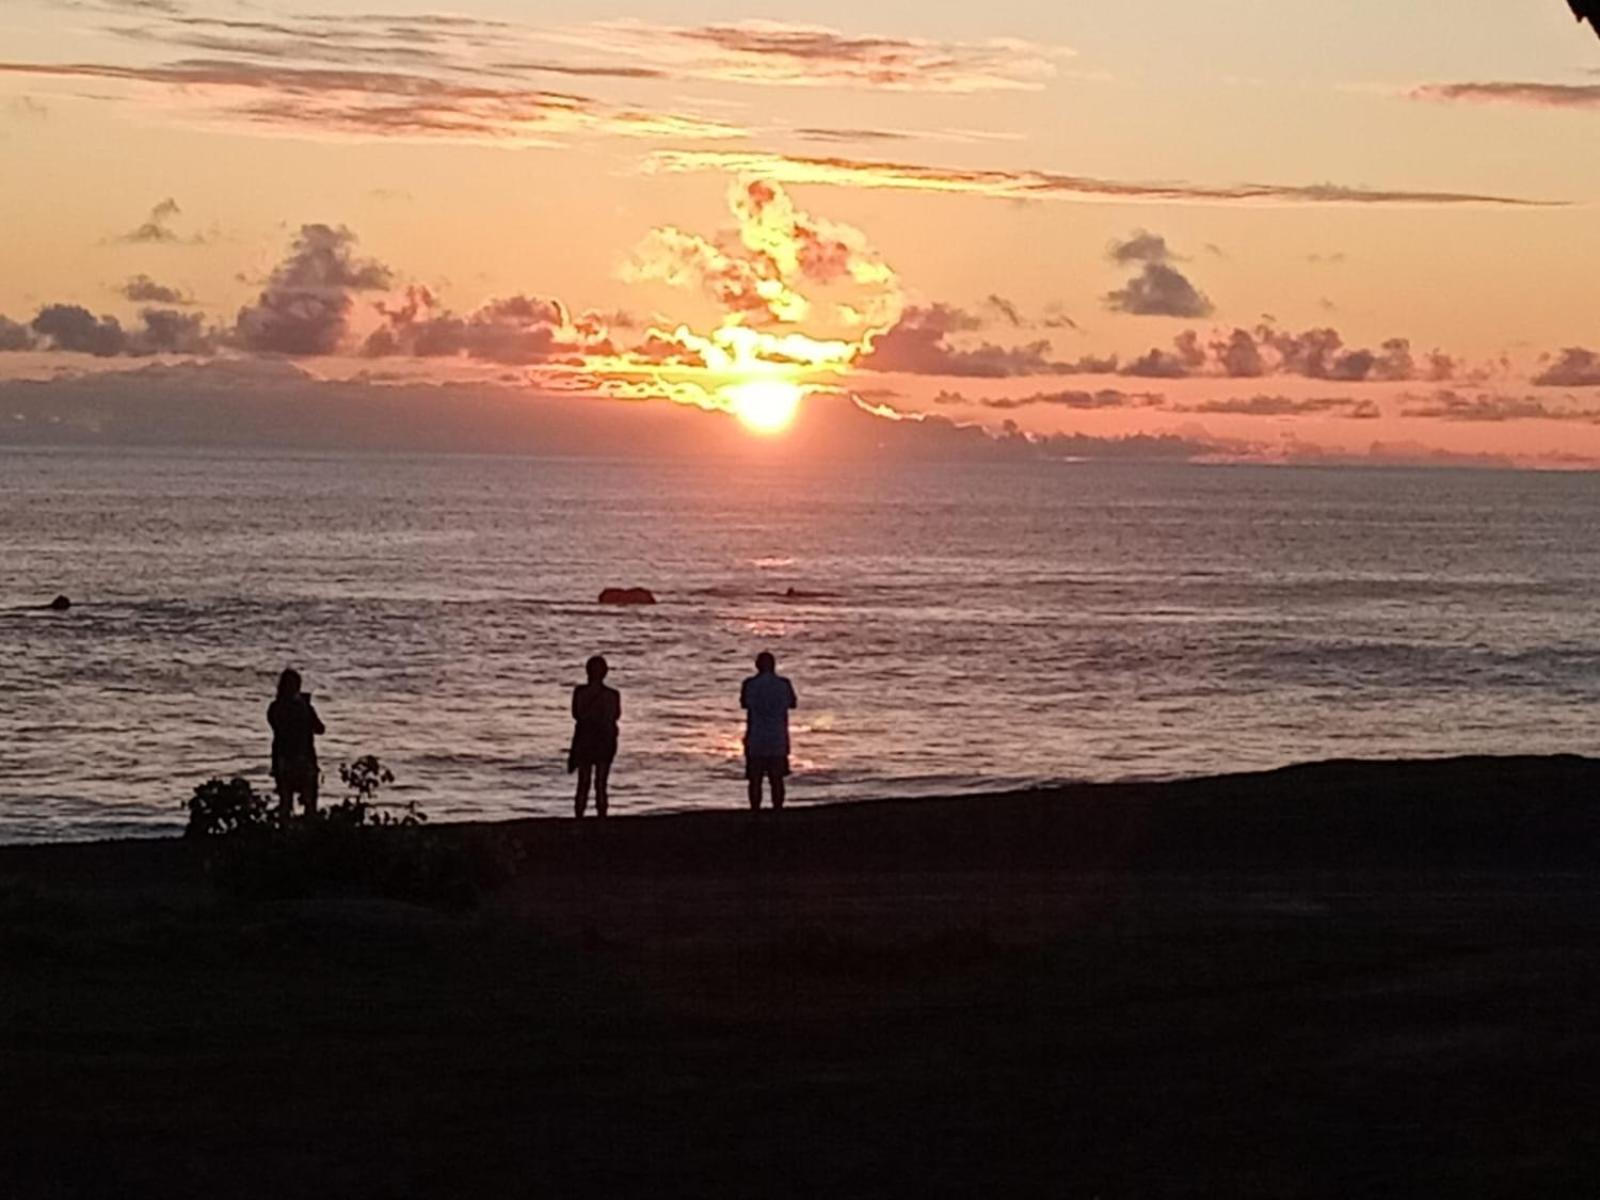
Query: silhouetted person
(1587, 10)
(766, 698)
(295, 726)
(596, 709)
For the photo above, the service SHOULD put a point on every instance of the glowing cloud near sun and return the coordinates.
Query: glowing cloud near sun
(802, 299)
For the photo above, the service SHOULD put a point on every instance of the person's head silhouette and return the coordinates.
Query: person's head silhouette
(596, 668)
(765, 663)
(289, 684)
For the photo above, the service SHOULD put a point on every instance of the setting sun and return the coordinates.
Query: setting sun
(765, 405)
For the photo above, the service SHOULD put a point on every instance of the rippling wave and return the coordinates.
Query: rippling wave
(949, 628)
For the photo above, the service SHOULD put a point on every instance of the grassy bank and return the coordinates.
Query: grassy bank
(1336, 980)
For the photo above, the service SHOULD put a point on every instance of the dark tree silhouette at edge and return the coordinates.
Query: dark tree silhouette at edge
(1587, 10)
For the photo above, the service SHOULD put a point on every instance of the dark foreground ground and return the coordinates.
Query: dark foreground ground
(1338, 980)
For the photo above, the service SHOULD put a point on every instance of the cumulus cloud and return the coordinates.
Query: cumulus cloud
(1049, 185)
(1187, 357)
(305, 307)
(14, 336)
(143, 290)
(1090, 364)
(1142, 247)
(514, 330)
(942, 318)
(156, 229)
(736, 282)
(1267, 350)
(166, 331)
(76, 330)
(1239, 355)
(1574, 367)
(1160, 289)
(779, 257)
(666, 348)
(73, 329)
(1441, 367)
(938, 339)
(1321, 354)
(919, 344)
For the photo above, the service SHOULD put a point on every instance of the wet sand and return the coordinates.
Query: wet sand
(1337, 980)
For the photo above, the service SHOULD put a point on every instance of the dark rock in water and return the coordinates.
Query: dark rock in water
(59, 604)
(633, 595)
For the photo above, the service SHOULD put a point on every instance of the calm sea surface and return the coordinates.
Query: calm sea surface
(958, 627)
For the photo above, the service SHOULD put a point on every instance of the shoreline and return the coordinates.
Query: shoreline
(1311, 983)
(1278, 810)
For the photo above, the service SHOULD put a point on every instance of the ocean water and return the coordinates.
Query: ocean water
(957, 628)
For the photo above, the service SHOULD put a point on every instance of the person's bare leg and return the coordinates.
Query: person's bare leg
(309, 796)
(755, 794)
(285, 802)
(602, 795)
(580, 802)
(777, 793)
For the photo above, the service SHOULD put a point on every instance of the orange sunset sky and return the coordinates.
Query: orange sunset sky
(1286, 231)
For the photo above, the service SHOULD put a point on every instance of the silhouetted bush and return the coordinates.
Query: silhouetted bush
(226, 806)
(365, 778)
(357, 846)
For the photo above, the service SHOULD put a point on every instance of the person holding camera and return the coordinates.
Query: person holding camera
(295, 726)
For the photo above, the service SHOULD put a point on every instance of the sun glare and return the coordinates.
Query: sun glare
(765, 405)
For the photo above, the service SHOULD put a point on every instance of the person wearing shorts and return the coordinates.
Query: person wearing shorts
(767, 699)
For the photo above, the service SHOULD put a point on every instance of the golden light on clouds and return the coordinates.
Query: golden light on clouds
(802, 298)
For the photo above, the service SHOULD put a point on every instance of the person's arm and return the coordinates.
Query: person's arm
(317, 727)
(577, 695)
(616, 706)
(794, 701)
(744, 694)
